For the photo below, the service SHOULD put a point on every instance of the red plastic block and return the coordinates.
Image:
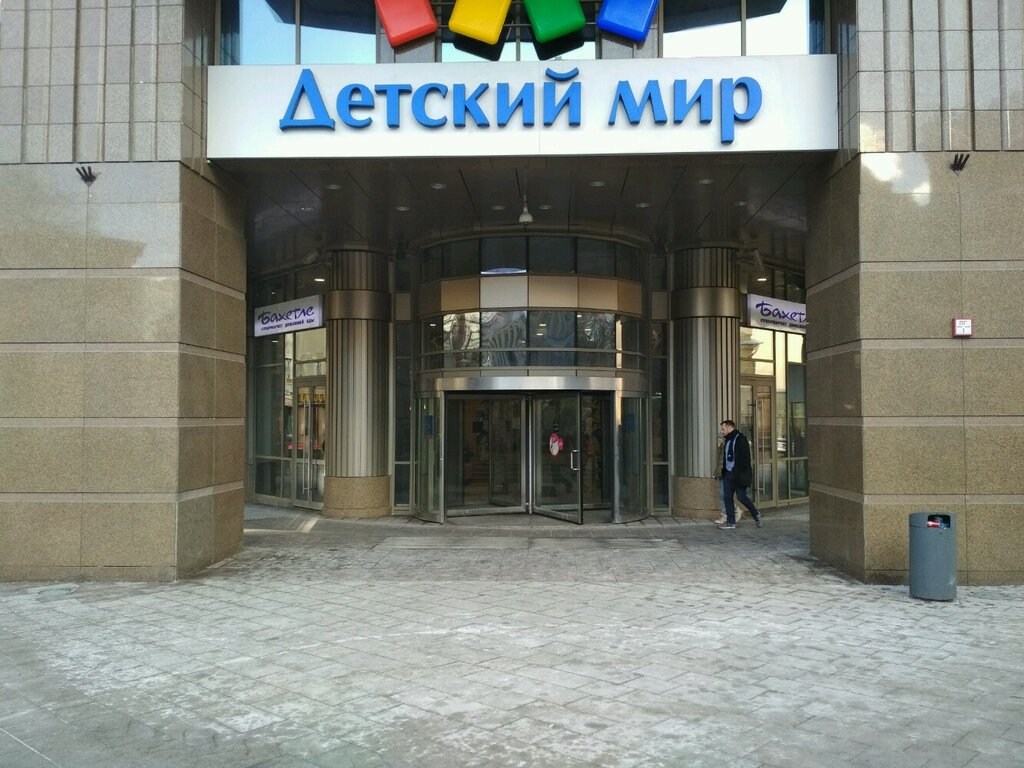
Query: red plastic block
(406, 20)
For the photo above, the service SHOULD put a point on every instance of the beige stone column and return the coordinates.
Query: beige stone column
(122, 342)
(358, 311)
(705, 332)
(903, 417)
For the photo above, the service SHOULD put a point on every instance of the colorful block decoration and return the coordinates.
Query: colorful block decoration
(552, 19)
(479, 19)
(629, 18)
(482, 20)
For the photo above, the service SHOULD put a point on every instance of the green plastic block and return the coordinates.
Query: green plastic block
(552, 19)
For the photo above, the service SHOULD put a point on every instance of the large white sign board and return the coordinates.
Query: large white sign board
(606, 107)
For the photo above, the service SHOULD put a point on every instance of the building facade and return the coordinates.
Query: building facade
(534, 262)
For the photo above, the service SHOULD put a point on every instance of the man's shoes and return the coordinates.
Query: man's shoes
(757, 520)
(739, 513)
(727, 527)
(720, 520)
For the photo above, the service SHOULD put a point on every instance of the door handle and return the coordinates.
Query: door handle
(574, 456)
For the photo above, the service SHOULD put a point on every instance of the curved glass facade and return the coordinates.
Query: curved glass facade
(538, 255)
(535, 338)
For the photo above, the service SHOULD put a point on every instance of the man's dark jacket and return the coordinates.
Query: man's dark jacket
(742, 469)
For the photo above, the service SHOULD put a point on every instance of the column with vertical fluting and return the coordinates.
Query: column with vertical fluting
(358, 312)
(706, 321)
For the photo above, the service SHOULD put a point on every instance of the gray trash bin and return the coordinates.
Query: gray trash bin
(933, 555)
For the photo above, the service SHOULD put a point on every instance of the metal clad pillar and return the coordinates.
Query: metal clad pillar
(358, 312)
(706, 334)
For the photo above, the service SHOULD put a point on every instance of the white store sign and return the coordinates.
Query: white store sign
(779, 315)
(288, 316)
(604, 107)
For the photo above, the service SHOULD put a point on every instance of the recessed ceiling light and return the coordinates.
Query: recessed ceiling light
(319, 279)
(544, 207)
(334, 187)
(762, 279)
(438, 185)
(705, 181)
(643, 205)
(598, 183)
(740, 203)
(497, 207)
(401, 208)
(306, 209)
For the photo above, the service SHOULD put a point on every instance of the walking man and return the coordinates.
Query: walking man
(737, 474)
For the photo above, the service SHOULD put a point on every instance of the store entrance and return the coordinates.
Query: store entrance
(573, 456)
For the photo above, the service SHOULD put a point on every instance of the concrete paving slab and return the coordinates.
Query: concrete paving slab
(504, 642)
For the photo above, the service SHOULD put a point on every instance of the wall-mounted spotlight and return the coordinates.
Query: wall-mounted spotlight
(86, 174)
(959, 162)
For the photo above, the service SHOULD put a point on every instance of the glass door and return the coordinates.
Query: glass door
(630, 459)
(309, 442)
(483, 440)
(428, 502)
(557, 456)
(756, 420)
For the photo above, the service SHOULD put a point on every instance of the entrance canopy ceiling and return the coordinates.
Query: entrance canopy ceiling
(300, 209)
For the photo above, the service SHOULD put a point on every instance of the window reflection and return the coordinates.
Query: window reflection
(266, 32)
(338, 33)
(777, 27)
(502, 336)
(703, 28)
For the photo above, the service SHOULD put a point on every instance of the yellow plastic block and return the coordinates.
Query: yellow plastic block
(479, 19)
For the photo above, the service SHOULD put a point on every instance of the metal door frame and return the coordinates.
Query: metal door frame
(755, 383)
(311, 473)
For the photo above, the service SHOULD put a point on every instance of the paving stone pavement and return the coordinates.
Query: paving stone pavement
(498, 642)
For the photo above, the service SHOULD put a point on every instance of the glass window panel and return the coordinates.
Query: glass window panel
(229, 29)
(777, 28)
(659, 409)
(268, 478)
(797, 477)
(631, 331)
(627, 262)
(403, 408)
(595, 330)
(403, 281)
(552, 329)
(659, 339)
(270, 291)
(403, 339)
(268, 350)
(661, 485)
(266, 32)
(502, 255)
(504, 334)
(433, 336)
(431, 265)
(269, 414)
(401, 485)
(783, 475)
(701, 28)
(595, 257)
(756, 344)
(335, 32)
(311, 345)
(551, 254)
(311, 281)
(461, 258)
(659, 271)
(795, 348)
(461, 338)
